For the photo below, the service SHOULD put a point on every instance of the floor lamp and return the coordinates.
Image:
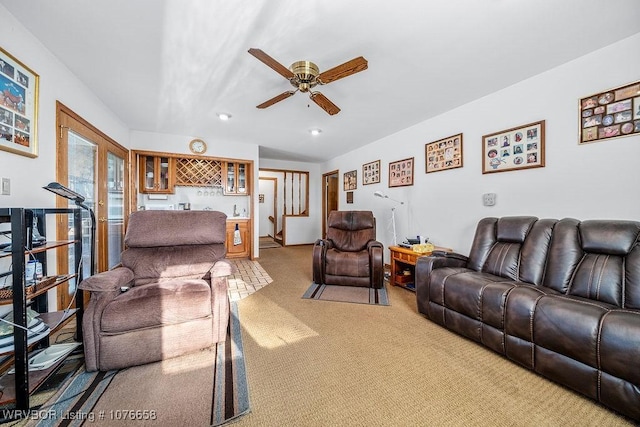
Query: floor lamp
(393, 213)
(78, 199)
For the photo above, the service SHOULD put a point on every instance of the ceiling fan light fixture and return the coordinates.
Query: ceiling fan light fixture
(224, 116)
(315, 132)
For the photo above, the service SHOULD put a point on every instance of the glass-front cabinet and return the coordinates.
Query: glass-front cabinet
(156, 174)
(236, 178)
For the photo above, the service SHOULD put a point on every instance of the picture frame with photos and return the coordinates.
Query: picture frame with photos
(443, 154)
(371, 173)
(350, 180)
(517, 148)
(349, 196)
(19, 106)
(401, 173)
(610, 114)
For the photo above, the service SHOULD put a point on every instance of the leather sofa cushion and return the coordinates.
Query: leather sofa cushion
(165, 303)
(609, 237)
(352, 264)
(620, 345)
(570, 326)
(153, 264)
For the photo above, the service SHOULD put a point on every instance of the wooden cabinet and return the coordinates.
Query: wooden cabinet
(242, 250)
(157, 174)
(403, 264)
(30, 294)
(236, 178)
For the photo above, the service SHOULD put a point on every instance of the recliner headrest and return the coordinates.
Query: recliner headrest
(611, 237)
(351, 220)
(175, 228)
(514, 229)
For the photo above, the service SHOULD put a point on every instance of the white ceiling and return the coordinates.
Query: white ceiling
(170, 65)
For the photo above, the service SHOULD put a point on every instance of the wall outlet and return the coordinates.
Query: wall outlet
(6, 186)
(489, 199)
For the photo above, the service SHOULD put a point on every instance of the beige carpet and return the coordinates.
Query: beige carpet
(337, 364)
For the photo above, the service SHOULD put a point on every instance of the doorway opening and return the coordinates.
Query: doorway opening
(329, 197)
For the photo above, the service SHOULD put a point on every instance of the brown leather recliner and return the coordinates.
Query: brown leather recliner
(167, 298)
(350, 255)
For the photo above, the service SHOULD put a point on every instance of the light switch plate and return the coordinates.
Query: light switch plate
(6, 187)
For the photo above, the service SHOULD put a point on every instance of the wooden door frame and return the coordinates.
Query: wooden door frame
(325, 214)
(62, 176)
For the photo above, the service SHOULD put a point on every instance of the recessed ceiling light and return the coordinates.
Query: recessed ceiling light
(224, 116)
(315, 132)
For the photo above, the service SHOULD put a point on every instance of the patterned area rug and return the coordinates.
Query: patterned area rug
(353, 294)
(74, 404)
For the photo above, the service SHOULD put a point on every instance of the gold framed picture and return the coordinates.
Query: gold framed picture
(517, 148)
(350, 180)
(401, 173)
(443, 154)
(610, 114)
(19, 107)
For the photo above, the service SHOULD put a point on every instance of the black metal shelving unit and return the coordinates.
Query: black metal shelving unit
(18, 387)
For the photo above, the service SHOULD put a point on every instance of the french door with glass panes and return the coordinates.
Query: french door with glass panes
(95, 166)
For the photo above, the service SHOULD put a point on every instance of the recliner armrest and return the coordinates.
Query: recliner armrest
(107, 281)
(222, 268)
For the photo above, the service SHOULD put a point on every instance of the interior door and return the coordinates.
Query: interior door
(329, 197)
(92, 164)
(268, 217)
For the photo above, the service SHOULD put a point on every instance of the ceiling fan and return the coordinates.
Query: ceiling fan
(304, 75)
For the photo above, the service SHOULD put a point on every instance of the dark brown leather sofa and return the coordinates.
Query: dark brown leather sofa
(350, 255)
(560, 297)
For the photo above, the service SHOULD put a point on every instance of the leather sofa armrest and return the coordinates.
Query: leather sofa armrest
(319, 251)
(223, 268)
(107, 280)
(425, 264)
(376, 263)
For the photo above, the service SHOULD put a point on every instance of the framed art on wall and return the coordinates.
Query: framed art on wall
(401, 173)
(517, 148)
(444, 154)
(350, 180)
(18, 106)
(610, 114)
(371, 173)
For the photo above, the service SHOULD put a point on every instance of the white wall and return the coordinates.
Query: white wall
(57, 83)
(598, 180)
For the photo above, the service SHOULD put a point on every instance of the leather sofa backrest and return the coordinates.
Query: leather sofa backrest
(596, 259)
(350, 231)
(175, 228)
(512, 247)
(164, 245)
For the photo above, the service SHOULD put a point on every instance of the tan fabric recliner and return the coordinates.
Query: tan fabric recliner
(167, 298)
(350, 255)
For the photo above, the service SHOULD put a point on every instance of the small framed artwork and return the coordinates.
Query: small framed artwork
(517, 148)
(444, 154)
(610, 114)
(19, 107)
(371, 173)
(349, 196)
(401, 173)
(350, 180)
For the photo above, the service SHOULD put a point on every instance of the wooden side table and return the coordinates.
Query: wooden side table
(403, 264)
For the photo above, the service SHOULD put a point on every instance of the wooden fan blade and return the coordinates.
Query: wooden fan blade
(324, 103)
(275, 99)
(278, 67)
(344, 70)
